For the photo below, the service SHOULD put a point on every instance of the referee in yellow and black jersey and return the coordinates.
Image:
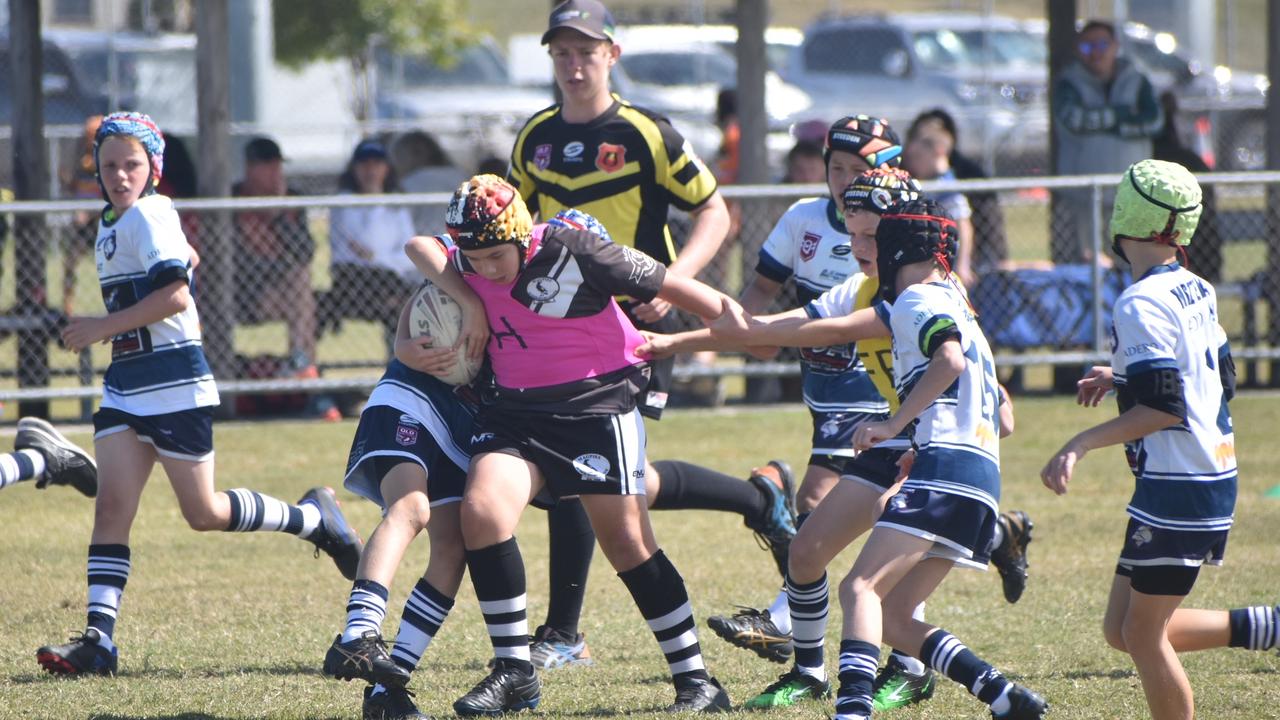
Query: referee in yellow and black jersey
(620, 163)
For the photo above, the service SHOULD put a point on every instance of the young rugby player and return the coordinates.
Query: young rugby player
(1173, 374)
(158, 395)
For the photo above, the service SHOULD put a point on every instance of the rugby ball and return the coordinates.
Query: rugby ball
(433, 313)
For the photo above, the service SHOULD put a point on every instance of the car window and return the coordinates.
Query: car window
(1007, 47)
(677, 68)
(477, 65)
(942, 50)
(849, 50)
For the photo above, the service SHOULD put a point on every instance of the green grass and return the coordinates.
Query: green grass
(235, 626)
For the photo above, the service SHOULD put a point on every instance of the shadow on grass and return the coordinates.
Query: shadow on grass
(152, 673)
(1117, 674)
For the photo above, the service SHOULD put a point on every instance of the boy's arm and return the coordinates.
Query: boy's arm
(1136, 422)
(795, 328)
(1006, 412)
(945, 366)
(432, 260)
(417, 353)
(660, 346)
(159, 304)
(693, 296)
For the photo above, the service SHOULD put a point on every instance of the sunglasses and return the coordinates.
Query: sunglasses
(1087, 48)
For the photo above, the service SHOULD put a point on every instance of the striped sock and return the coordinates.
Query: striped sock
(253, 512)
(1255, 628)
(108, 573)
(858, 661)
(366, 609)
(20, 465)
(497, 573)
(424, 613)
(660, 594)
(944, 653)
(809, 603)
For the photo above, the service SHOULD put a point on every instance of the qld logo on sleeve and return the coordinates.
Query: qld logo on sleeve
(407, 431)
(809, 246)
(592, 467)
(542, 156)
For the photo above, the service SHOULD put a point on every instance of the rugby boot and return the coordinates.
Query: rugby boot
(699, 696)
(391, 704)
(753, 630)
(82, 656)
(775, 528)
(789, 689)
(366, 658)
(334, 535)
(1010, 557)
(895, 687)
(1023, 705)
(507, 688)
(550, 649)
(65, 463)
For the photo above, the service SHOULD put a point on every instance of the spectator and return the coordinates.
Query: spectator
(731, 136)
(274, 249)
(1106, 113)
(927, 156)
(804, 164)
(423, 167)
(1204, 255)
(990, 247)
(372, 277)
(492, 165)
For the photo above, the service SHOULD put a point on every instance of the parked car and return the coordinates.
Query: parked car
(898, 65)
(67, 99)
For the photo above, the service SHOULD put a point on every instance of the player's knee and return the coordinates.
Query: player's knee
(411, 511)
(855, 589)
(1140, 637)
(202, 518)
(804, 565)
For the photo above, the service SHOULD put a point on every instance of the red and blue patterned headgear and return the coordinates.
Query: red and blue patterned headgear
(143, 129)
(578, 220)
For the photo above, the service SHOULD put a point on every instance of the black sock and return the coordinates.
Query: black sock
(686, 486)
(659, 592)
(497, 573)
(572, 544)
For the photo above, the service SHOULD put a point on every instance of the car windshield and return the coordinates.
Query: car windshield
(148, 79)
(1007, 47)
(477, 65)
(681, 68)
(943, 49)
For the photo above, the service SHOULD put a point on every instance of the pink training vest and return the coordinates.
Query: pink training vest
(528, 350)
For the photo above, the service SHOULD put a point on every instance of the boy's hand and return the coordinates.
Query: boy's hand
(904, 465)
(475, 332)
(418, 354)
(1095, 384)
(1057, 472)
(81, 332)
(652, 311)
(733, 322)
(867, 435)
(656, 346)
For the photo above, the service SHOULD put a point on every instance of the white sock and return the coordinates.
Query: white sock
(780, 612)
(1001, 704)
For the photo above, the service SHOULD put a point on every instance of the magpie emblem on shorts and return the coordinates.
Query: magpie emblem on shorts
(830, 427)
(407, 431)
(898, 501)
(542, 156)
(543, 289)
(1141, 536)
(592, 467)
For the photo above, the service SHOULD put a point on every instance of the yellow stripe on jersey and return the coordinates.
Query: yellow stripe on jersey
(876, 353)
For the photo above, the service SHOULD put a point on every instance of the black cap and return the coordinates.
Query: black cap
(588, 17)
(262, 149)
(369, 150)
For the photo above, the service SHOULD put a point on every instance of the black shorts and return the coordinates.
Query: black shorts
(387, 437)
(960, 527)
(185, 435)
(876, 467)
(653, 399)
(1167, 562)
(576, 454)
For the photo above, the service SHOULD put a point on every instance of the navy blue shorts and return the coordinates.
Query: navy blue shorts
(875, 467)
(1167, 562)
(576, 454)
(832, 439)
(960, 527)
(184, 435)
(387, 437)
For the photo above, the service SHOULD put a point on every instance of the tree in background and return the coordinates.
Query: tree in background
(307, 30)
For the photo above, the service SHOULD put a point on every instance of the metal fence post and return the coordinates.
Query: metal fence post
(1095, 228)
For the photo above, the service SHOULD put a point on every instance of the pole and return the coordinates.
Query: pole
(753, 118)
(1271, 289)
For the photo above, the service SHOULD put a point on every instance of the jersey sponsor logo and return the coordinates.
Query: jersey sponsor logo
(543, 289)
(573, 151)
(592, 467)
(1141, 536)
(542, 156)
(610, 158)
(809, 246)
(482, 437)
(108, 245)
(841, 250)
(642, 265)
(407, 431)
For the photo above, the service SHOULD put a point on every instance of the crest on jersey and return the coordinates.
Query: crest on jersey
(809, 246)
(542, 157)
(592, 467)
(543, 289)
(407, 431)
(610, 158)
(108, 245)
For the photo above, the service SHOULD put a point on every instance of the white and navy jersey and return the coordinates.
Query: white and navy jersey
(1186, 474)
(159, 368)
(435, 405)
(809, 242)
(957, 436)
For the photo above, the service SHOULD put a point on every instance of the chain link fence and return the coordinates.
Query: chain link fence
(291, 312)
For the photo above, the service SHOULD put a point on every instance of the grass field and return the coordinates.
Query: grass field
(235, 626)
